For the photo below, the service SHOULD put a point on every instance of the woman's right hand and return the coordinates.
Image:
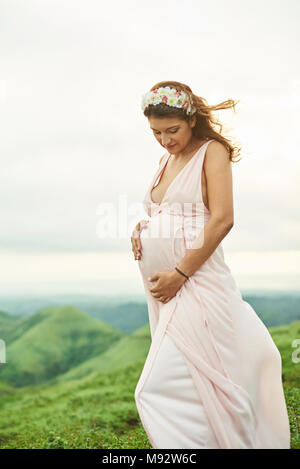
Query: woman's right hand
(135, 239)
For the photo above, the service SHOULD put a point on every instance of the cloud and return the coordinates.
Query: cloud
(73, 134)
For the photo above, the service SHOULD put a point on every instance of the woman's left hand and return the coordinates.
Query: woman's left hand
(167, 284)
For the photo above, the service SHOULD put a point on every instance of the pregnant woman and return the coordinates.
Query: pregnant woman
(212, 377)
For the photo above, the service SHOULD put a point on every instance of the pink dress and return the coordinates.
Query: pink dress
(212, 376)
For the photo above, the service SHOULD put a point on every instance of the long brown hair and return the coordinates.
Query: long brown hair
(205, 121)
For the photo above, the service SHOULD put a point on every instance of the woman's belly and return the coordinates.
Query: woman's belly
(166, 239)
(162, 244)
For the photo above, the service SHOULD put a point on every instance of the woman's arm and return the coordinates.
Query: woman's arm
(217, 166)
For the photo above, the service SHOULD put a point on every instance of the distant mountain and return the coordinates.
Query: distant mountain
(24, 305)
(127, 314)
(51, 342)
(121, 312)
(275, 310)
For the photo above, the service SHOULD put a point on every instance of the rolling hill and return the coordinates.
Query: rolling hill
(51, 342)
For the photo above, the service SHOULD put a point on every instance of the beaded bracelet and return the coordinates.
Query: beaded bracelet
(179, 271)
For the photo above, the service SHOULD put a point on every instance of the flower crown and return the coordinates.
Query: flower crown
(169, 96)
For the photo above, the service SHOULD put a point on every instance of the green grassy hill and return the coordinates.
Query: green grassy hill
(124, 352)
(7, 323)
(51, 342)
(283, 337)
(99, 411)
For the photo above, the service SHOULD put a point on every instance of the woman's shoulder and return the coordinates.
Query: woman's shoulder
(217, 158)
(218, 150)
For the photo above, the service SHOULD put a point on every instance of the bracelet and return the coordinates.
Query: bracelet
(179, 271)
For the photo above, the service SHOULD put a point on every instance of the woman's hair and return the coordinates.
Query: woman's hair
(205, 121)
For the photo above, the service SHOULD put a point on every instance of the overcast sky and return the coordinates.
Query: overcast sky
(73, 135)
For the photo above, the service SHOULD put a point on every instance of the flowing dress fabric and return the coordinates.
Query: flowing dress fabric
(212, 376)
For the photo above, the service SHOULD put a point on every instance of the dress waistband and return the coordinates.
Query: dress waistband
(185, 210)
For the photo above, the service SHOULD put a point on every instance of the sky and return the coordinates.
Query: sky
(74, 138)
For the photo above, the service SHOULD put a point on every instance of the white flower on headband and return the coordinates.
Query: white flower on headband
(169, 96)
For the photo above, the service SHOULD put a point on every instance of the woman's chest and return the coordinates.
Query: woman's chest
(168, 180)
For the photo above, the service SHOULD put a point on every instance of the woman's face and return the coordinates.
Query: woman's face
(171, 132)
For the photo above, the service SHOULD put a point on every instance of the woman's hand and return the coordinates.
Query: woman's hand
(167, 284)
(135, 239)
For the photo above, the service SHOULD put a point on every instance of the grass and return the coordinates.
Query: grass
(98, 411)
